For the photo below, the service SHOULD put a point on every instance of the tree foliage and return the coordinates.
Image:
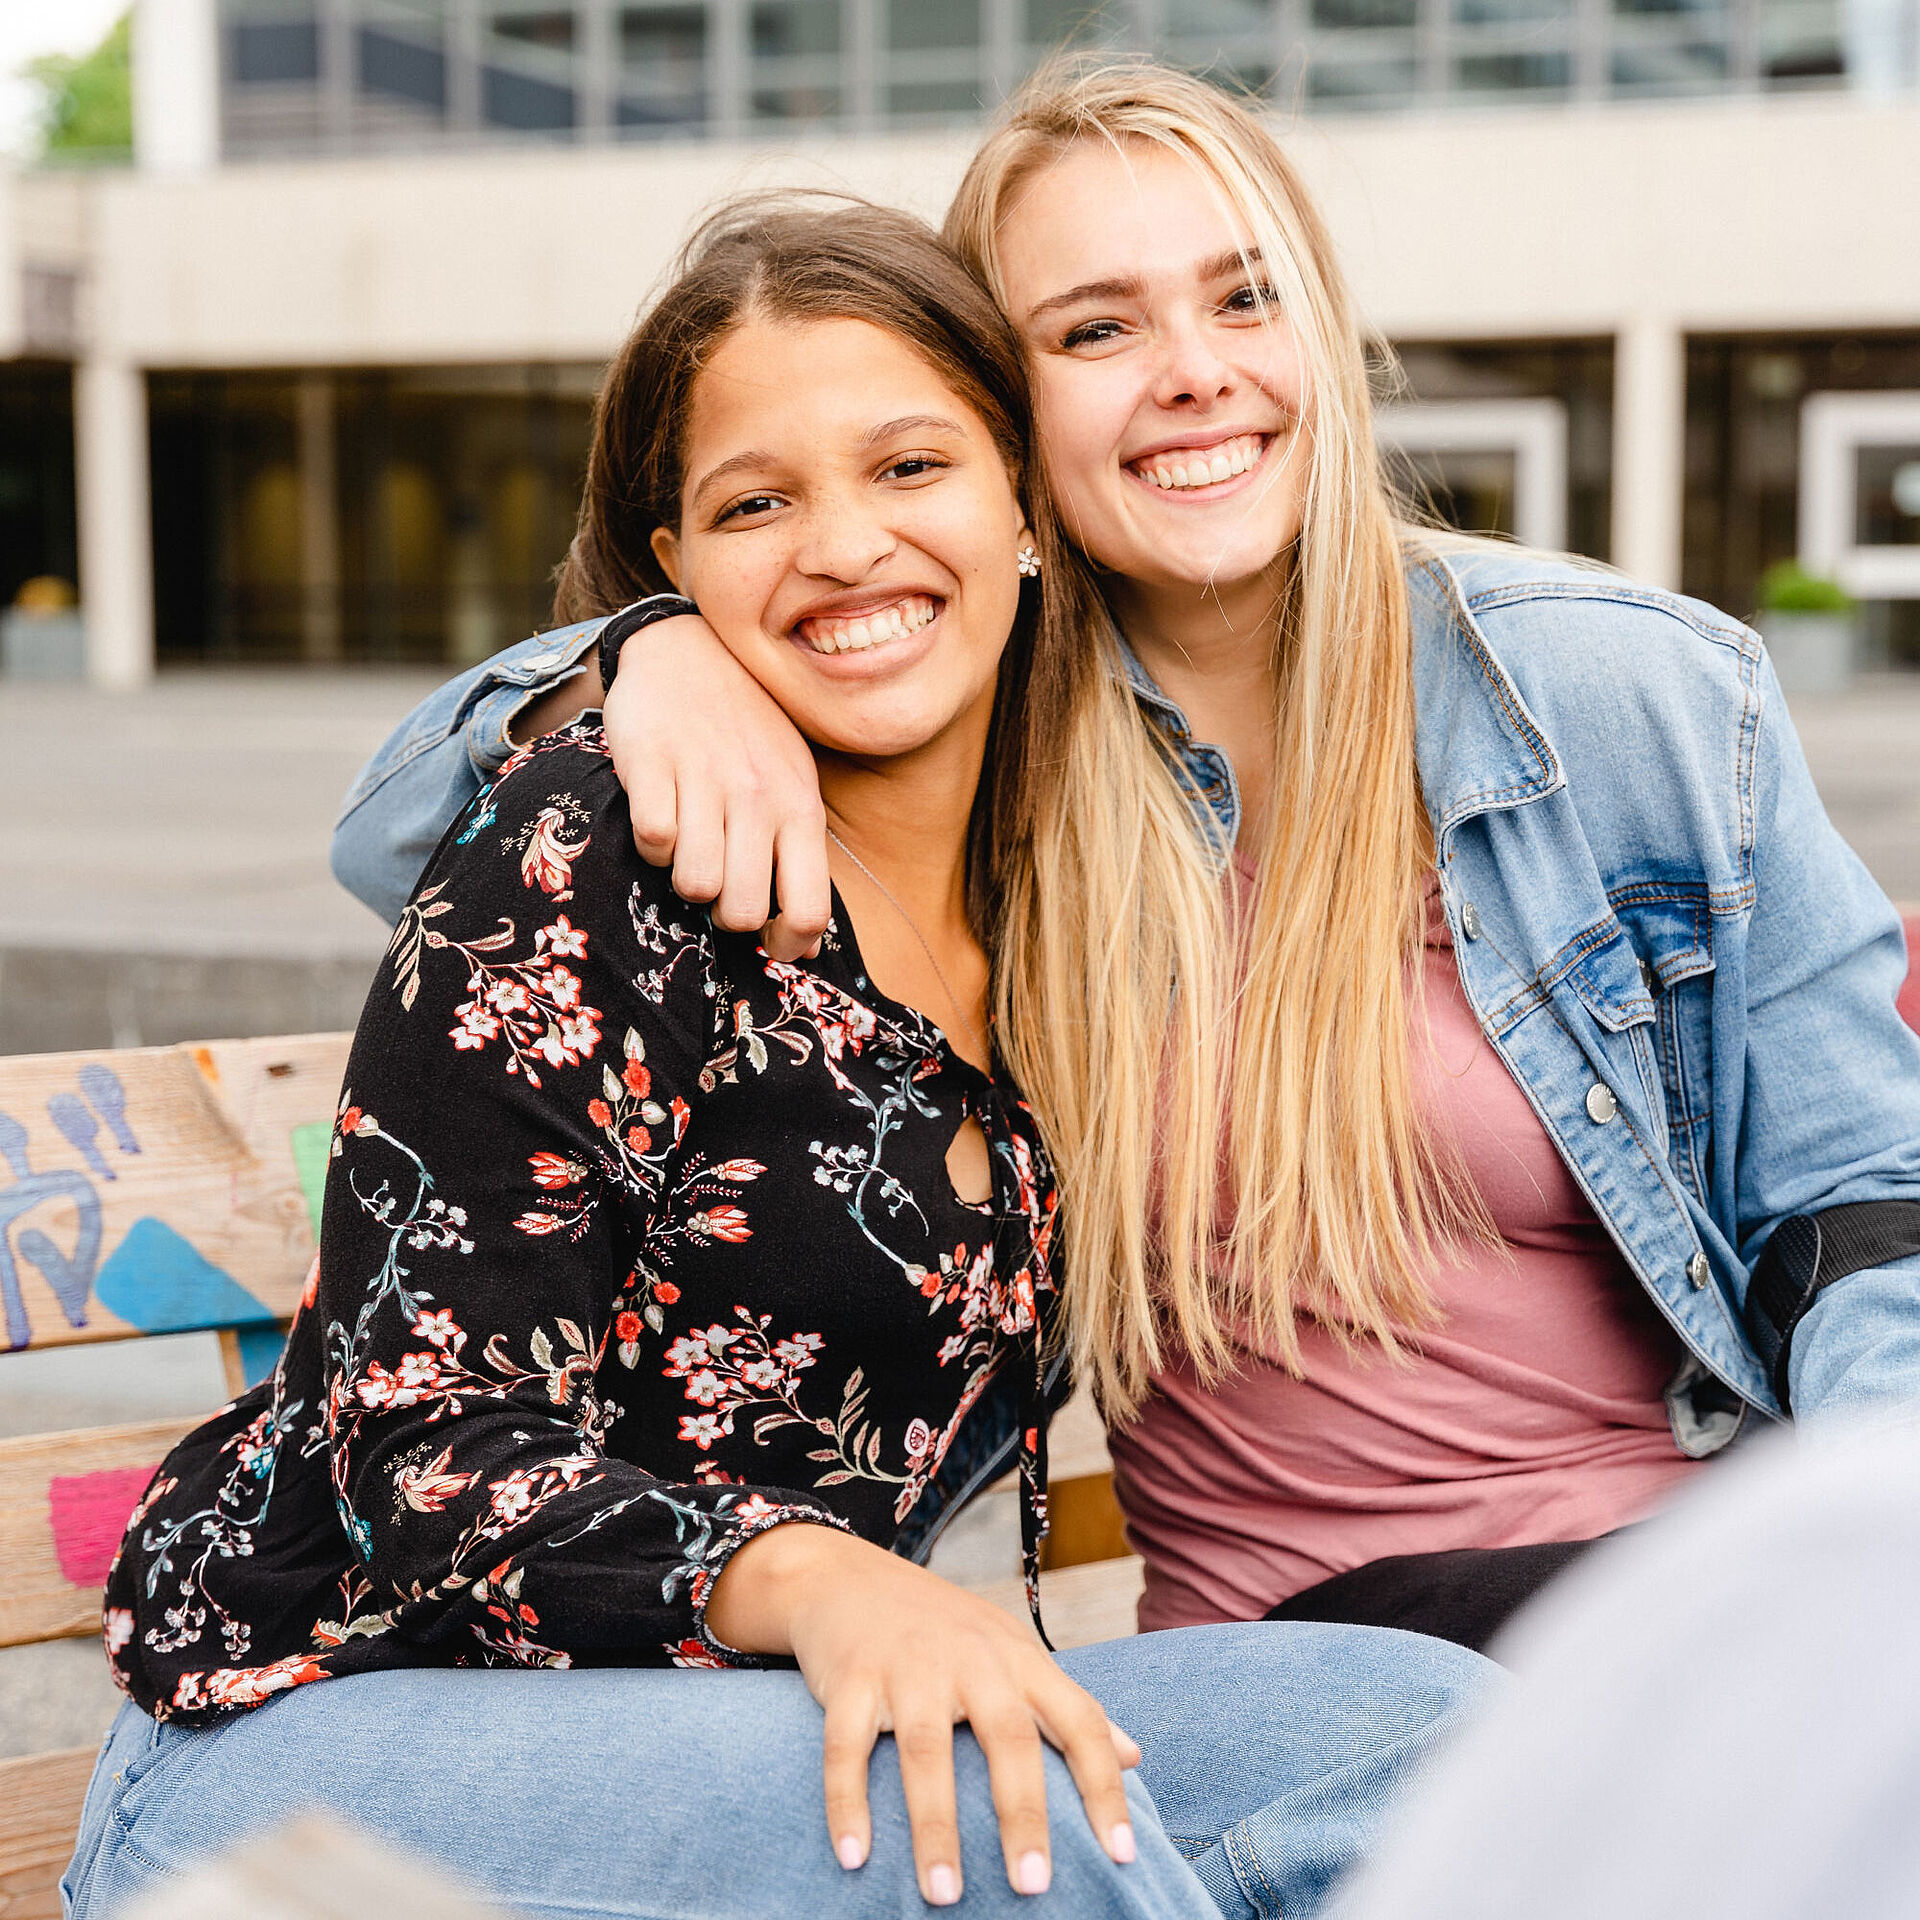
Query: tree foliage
(86, 102)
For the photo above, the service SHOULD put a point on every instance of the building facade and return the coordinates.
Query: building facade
(312, 381)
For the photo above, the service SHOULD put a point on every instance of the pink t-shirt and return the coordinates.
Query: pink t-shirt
(1531, 1410)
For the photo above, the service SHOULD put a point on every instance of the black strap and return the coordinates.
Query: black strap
(622, 626)
(1808, 1253)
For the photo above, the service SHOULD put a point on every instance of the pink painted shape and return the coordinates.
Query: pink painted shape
(1910, 992)
(88, 1512)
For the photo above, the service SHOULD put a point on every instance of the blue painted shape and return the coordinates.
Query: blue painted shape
(75, 1120)
(259, 1352)
(13, 1146)
(70, 1279)
(101, 1085)
(161, 1283)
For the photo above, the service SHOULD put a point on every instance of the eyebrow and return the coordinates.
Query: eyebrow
(756, 458)
(1131, 287)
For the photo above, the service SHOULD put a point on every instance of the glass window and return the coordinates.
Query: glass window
(1513, 72)
(524, 103)
(914, 24)
(553, 28)
(786, 27)
(1887, 496)
(663, 54)
(1687, 66)
(403, 66)
(1348, 84)
(1060, 23)
(914, 98)
(1483, 12)
(1228, 19)
(1364, 13)
(273, 52)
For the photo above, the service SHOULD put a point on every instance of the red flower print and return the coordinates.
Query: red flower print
(720, 1223)
(626, 1327)
(350, 1119)
(639, 1080)
(599, 1113)
(639, 1139)
(553, 1170)
(540, 1223)
(690, 1653)
(666, 1292)
(548, 860)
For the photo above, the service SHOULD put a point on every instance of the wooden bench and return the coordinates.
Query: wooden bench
(160, 1190)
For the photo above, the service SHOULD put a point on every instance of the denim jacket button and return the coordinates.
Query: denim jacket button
(1698, 1270)
(1601, 1105)
(1470, 920)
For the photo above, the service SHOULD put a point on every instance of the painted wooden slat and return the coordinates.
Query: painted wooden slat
(98, 1468)
(1084, 1522)
(1081, 1604)
(40, 1801)
(160, 1188)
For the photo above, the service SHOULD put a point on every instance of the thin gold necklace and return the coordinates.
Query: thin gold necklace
(939, 972)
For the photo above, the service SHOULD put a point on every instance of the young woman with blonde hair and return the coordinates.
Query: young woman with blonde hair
(1470, 1054)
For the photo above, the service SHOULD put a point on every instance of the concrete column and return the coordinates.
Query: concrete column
(1649, 448)
(116, 522)
(176, 85)
(319, 520)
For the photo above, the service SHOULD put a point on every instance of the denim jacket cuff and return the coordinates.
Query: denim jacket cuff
(509, 691)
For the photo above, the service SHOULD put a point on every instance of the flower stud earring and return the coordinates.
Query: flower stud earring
(1029, 560)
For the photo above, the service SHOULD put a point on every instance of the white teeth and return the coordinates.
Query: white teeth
(1196, 468)
(828, 635)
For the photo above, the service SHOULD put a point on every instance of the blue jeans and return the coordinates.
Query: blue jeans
(1271, 1751)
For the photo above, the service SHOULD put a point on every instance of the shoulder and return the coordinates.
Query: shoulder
(1588, 649)
(554, 815)
(1557, 604)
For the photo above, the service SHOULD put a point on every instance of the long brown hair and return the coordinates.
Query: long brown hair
(819, 257)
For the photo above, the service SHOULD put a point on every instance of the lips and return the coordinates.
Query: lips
(1188, 469)
(871, 627)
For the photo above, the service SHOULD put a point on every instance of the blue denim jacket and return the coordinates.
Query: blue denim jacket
(1686, 970)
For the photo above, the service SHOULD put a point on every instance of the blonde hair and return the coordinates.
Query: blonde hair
(1128, 996)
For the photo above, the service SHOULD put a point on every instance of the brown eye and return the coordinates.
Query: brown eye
(1092, 333)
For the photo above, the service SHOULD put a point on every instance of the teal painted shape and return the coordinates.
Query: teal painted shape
(259, 1352)
(312, 1143)
(161, 1283)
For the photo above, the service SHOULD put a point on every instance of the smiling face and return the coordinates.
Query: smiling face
(1170, 410)
(850, 531)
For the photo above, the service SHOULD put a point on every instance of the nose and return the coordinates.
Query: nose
(1191, 370)
(843, 539)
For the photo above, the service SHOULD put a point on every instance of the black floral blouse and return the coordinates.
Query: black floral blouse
(636, 1243)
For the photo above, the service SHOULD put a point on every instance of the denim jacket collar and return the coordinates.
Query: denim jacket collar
(1478, 746)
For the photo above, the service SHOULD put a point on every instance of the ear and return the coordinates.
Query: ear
(666, 550)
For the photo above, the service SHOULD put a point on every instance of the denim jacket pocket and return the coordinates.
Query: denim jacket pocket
(1673, 939)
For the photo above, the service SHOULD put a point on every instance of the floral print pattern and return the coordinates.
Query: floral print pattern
(636, 1243)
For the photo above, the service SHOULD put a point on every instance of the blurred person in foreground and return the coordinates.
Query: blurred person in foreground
(667, 1292)
(1715, 1719)
(1470, 1052)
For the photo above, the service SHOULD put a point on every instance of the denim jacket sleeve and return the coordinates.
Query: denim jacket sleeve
(1831, 1092)
(436, 760)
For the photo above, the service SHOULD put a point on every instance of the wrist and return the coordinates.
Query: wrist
(768, 1582)
(622, 626)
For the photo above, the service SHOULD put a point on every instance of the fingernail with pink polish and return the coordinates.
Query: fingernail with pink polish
(1032, 1873)
(849, 1851)
(943, 1886)
(1120, 1842)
